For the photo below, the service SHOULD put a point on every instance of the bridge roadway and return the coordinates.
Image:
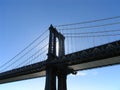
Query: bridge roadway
(99, 56)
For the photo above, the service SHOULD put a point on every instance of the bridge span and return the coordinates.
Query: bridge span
(58, 64)
(104, 55)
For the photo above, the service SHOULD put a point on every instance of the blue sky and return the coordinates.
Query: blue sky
(21, 21)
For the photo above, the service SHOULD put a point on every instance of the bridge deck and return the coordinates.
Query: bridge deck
(104, 55)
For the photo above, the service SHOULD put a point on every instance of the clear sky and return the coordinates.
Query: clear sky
(21, 21)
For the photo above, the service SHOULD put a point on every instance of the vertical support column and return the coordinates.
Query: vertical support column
(62, 82)
(62, 73)
(61, 39)
(50, 79)
(62, 76)
(50, 70)
(52, 43)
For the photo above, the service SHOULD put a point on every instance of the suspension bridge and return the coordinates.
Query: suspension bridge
(65, 49)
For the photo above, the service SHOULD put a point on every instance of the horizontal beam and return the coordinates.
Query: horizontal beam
(23, 73)
(23, 77)
(104, 55)
(96, 64)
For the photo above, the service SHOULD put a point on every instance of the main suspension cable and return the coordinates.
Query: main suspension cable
(91, 21)
(25, 49)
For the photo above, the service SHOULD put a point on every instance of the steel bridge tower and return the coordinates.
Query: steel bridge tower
(53, 71)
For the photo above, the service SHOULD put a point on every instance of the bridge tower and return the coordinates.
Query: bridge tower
(53, 71)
